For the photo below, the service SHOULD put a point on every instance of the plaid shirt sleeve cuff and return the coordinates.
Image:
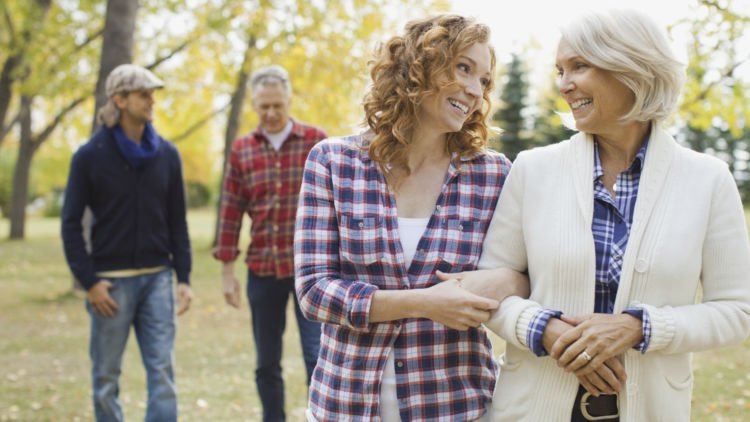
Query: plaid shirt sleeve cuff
(536, 330)
(641, 314)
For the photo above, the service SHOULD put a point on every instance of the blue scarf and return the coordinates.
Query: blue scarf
(137, 155)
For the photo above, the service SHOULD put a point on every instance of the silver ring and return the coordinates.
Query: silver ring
(586, 356)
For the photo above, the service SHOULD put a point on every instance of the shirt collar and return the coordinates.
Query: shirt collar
(298, 131)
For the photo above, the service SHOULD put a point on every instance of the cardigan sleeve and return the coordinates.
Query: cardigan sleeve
(723, 316)
(504, 246)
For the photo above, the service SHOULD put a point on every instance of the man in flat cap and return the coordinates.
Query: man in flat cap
(131, 179)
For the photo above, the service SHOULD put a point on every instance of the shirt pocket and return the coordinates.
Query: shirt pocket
(461, 242)
(360, 239)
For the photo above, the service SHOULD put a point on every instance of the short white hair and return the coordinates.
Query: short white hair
(270, 76)
(637, 51)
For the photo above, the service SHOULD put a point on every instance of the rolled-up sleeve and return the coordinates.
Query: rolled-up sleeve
(323, 295)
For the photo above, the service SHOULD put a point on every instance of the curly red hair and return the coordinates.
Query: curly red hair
(415, 65)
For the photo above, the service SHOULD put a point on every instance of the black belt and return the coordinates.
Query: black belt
(589, 408)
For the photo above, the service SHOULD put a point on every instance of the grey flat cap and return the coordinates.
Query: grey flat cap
(130, 77)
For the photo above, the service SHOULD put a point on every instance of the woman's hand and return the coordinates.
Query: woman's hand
(454, 307)
(605, 379)
(495, 284)
(595, 339)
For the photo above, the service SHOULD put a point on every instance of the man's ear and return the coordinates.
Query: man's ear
(120, 100)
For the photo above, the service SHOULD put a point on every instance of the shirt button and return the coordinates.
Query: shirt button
(400, 364)
(437, 207)
(276, 205)
(278, 185)
(275, 228)
(278, 164)
(361, 225)
(460, 227)
(641, 266)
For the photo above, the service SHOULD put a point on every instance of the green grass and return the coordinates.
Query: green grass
(44, 346)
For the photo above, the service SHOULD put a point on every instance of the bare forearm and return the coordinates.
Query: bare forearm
(391, 305)
(496, 284)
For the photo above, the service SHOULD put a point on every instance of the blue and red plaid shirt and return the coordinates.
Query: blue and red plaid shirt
(264, 183)
(347, 247)
(611, 229)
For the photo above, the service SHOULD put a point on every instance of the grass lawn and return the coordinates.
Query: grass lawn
(44, 346)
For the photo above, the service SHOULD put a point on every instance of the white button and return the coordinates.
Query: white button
(275, 228)
(632, 388)
(641, 266)
(437, 207)
(460, 227)
(400, 364)
(361, 224)
(278, 164)
(278, 185)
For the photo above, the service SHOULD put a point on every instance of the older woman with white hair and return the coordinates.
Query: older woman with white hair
(619, 228)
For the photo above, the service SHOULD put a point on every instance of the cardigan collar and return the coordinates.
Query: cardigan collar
(661, 151)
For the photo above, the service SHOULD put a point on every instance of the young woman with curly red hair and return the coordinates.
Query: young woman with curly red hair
(381, 212)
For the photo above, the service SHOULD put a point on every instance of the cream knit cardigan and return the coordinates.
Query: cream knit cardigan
(688, 232)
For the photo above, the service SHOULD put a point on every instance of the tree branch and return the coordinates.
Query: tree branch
(169, 55)
(93, 36)
(706, 89)
(198, 124)
(6, 129)
(44, 134)
(9, 24)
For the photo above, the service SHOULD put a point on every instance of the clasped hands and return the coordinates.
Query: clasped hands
(590, 346)
(467, 299)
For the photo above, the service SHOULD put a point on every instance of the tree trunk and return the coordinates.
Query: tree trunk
(117, 44)
(10, 72)
(20, 189)
(233, 123)
(7, 77)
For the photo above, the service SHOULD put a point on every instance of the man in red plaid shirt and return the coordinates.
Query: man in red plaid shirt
(263, 179)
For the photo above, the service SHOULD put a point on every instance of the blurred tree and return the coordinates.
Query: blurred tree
(514, 137)
(324, 46)
(117, 45)
(714, 110)
(52, 77)
(548, 124)
(48, 68)
(16, 41)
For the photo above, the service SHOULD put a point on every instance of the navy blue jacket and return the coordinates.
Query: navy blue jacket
(139, 215)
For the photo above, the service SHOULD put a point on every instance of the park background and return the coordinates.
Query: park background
(54, 56)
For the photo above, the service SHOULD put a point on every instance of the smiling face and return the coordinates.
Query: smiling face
(596, 98)
(447, 110)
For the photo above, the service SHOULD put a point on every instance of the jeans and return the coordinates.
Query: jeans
(268, 297)
(147, 303)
